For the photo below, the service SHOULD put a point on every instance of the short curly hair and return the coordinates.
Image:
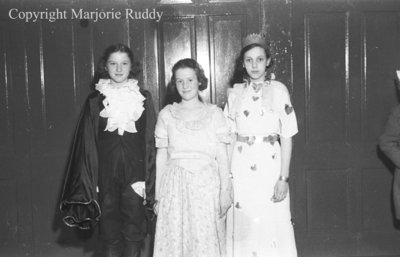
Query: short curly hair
(172, 92)
(102, 73)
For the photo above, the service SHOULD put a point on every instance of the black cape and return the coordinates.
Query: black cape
(79, 199)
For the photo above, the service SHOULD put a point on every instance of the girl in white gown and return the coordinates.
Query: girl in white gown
(193, 186)
(263, 121)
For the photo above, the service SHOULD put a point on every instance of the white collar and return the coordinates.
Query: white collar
(123, 105)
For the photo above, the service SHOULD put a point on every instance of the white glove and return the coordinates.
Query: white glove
(139, 188)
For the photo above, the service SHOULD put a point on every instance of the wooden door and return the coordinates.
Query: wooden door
(345, 55)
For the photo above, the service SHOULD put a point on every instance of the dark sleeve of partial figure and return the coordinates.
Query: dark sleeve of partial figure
(79, 203)
(389, 141)
(150, 150)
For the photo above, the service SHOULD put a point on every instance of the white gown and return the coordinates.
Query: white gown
(188, 223)
(258, 227)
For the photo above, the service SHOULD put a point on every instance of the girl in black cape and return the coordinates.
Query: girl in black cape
(111, 171)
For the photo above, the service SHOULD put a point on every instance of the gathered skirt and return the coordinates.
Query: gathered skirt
(188, 223)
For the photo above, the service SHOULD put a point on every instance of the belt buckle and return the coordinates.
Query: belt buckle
(251, 140)
(271, 139)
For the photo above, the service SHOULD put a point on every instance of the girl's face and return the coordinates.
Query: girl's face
(256, 62)
(118, 67)
(187, 83)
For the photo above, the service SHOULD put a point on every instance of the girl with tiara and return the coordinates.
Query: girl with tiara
(263, 122)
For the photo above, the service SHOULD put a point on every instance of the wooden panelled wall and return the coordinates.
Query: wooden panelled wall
(45, 72)
(345, 54)
(337, 58)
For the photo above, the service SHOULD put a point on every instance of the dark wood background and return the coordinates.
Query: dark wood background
(338, 59)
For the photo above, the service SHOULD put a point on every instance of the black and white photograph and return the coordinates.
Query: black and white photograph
(200, 128)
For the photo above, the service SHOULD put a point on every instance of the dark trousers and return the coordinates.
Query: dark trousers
(123, 214)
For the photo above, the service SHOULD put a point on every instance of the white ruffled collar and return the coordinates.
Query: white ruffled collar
(123, 105)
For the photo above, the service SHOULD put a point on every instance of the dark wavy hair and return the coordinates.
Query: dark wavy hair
(102, 73)
(240, 74)
(172, 93)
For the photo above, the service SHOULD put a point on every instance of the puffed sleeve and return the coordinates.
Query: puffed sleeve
(221, 126)
(287, 115)
(161, 131)
(231, 106)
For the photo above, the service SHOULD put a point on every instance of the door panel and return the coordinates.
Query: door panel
(226, 33)
(381, 52)
(176, 37)
(326, 115)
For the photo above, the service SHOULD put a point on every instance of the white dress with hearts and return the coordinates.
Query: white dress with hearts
(258, 227)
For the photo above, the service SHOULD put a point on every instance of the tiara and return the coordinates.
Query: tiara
(255, 39)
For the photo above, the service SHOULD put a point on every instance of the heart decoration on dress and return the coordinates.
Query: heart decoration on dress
(257, 86)
(246, 113)
(255, 98)
(288, 109)
(254, 167)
